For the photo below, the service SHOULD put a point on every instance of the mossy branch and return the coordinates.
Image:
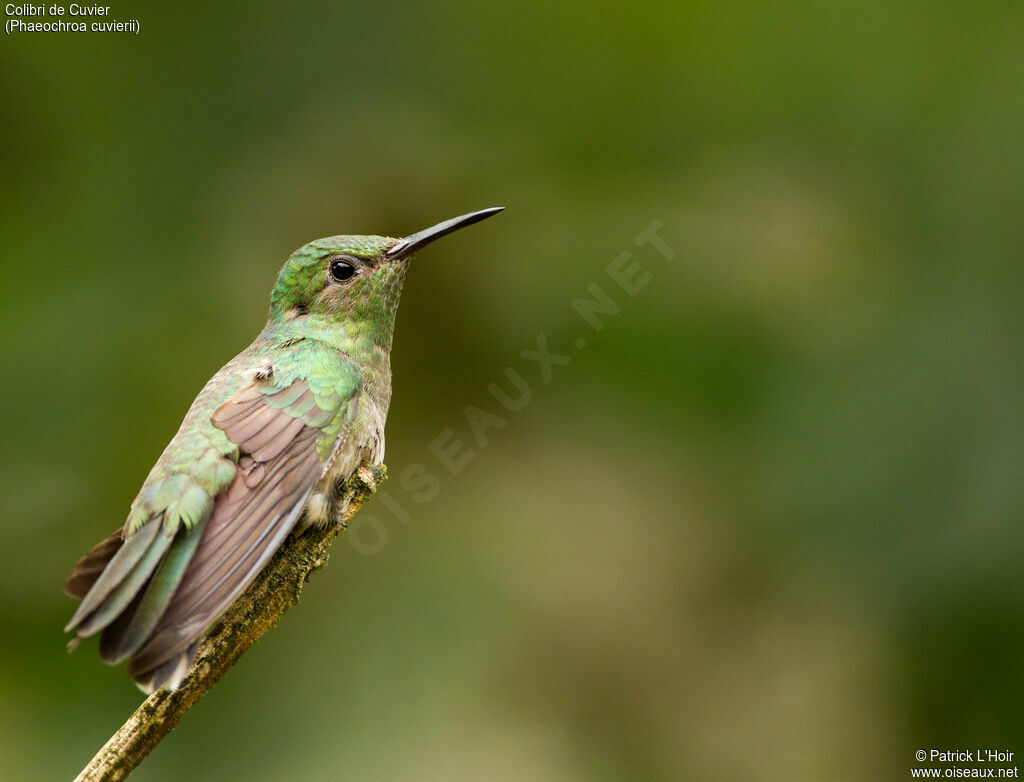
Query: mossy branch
(274, 591)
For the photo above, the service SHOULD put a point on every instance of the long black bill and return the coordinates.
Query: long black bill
(411, 244)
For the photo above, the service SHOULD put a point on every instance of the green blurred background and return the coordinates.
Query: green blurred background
(764, 526)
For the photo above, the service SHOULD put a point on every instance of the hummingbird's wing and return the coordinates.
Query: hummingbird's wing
(167, 583)
(278, 466)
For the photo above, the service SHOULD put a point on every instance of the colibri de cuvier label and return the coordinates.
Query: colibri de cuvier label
(73, 18)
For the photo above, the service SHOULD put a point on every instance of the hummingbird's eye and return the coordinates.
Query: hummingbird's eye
(341, 269)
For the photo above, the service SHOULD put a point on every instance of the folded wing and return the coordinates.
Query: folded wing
(162, 586)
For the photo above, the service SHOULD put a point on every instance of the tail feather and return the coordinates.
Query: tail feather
(126, 586)
(122, 639)
(115, 628)
(88, 568)
(169, 674)
(131, 585)
(120, 565)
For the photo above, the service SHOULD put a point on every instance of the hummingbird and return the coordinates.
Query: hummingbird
(261, 453)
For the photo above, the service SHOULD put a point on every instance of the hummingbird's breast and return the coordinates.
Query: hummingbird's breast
(374, 401)
(365, 445)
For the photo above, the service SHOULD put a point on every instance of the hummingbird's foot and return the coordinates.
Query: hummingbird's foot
(359, 487)
(334, 505)
(370, 476)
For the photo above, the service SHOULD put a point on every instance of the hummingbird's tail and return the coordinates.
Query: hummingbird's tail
(125, 585)
(84, 574)
(88, 568)
(80, 582)
(123, 580)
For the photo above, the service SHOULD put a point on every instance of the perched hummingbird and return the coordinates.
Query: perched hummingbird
(262, 449)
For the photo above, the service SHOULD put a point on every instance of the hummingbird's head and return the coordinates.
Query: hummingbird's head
(353, 280)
